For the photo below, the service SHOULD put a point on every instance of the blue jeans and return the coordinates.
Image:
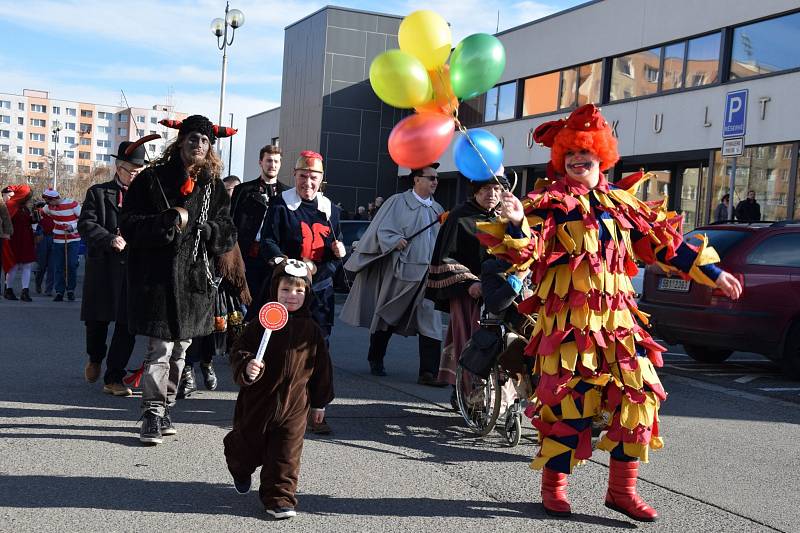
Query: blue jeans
(44, 256)
(60, 280)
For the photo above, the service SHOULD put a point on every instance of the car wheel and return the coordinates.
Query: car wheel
(707, 355)
(791, 353)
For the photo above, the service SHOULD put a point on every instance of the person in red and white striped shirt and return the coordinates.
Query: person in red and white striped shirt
(66, 240)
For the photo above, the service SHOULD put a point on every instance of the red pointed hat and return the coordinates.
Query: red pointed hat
(584, 129)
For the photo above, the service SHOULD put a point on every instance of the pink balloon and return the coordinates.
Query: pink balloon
(420, 139)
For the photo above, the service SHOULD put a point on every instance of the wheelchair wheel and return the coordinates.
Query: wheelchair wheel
(478, 399)
(513, 429)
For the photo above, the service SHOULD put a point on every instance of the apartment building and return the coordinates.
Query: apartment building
(36, 129)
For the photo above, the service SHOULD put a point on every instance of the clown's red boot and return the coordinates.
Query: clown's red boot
(554, 493)
(622, 496)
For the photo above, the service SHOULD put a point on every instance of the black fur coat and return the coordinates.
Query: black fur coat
(168, 293)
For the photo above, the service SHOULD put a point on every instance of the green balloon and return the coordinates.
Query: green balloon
(476, 65)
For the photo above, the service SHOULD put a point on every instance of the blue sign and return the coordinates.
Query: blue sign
(735, 121)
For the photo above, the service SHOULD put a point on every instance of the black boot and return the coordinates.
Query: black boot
(209, 376)
(25, 296)
(187, 385)
(9, 295)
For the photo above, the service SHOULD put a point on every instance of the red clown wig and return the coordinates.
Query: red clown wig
(584, 129)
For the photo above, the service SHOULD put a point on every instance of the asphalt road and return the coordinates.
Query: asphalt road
(399, 459)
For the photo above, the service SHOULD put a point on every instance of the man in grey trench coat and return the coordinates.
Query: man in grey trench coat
(391, 263)
(104, 287)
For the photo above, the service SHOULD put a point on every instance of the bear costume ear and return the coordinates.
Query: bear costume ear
(277, 260)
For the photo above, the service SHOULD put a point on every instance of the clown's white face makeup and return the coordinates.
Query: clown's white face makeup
(583, 166)
(291, 295)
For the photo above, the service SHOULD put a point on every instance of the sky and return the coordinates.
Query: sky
(91, 50)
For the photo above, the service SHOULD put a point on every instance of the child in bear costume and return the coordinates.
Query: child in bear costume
(275, 396)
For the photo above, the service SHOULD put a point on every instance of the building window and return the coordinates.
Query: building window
(102, 115)
(71, 111)
(84, 155)
(69, 168)
(103, 157)
(756, 170)
(567, 87)
(35, 151)
(69, 126)
(86, 128)
(152, 132)
(153, 120)
(122, 131)
(470, 112)
(20, 121)
(39, 122)
(767, 46)
(19, 150)
(103, 144)
(540, 94)
(702, 60)
(38, 137)
(104, 129)
(20, 135)
(35, 165)
(140, 118)
(38, 108)
(56, 110)
(635, 74)
(139, 133)
(5, 104)
(69, 140)
(86, 142)
(69, 154)
(5, 119)
(5, 134)
(152, 148)
(589, 80)
(122, 117)
(500, 102)
(5, 148)
(86, 113)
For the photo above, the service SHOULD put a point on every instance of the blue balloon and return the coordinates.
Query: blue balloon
(468, 160)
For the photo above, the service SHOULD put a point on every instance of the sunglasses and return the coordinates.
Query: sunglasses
(432, 178)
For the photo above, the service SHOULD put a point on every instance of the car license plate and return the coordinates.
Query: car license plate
(674, 285)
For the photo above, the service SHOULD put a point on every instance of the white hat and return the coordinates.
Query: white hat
(51, 193)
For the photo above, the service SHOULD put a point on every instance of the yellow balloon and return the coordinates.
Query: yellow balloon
(426, 35)
(400, 79)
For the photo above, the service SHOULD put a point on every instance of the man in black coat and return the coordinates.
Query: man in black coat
(248, 207)
(176, 220)
(748, 209)
(104, 288)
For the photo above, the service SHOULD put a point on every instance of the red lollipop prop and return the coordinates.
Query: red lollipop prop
(273, 316)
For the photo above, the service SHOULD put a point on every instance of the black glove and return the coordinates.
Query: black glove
(205, 231)
(170, 218)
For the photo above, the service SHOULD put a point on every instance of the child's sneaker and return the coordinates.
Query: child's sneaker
(281, 513)
(242, 486)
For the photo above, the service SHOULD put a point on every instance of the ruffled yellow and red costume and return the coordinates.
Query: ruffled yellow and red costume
(592, 352)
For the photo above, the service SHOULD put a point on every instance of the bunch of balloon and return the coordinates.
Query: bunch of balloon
(418, 76)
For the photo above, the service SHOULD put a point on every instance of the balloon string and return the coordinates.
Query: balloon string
(463, 130)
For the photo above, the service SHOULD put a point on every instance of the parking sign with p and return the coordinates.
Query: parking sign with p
(735, 121)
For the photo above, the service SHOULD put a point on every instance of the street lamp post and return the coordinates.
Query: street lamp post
(56, 130)
(219, 27)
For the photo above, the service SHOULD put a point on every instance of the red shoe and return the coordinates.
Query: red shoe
(622, 496)
(554, 493)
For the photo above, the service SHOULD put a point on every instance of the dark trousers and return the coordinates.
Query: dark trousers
(255, 272)
(277, 451)
(429, 350)
(119, 353)
(323, 309)
(203, 349)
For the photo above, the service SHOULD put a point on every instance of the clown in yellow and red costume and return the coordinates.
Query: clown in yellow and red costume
(580, 236)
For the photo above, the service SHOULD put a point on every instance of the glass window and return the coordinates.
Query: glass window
(635, 74)
(139, 118)
(84, 155)
(38, 122)
(500, 102)
(470, 112)
(70, 154)
(86, 142)
(702, 63)
(767, 46)
(69, 140)
(589, 79)
(69, 126)
(71, 111)
(5, 148)
(673, 66)
(56, 110)
(780, 250)
(721, 239)
(21, 106)
(122, 131)
(5, 134)
(86, 113)
(756, 170)
(5, 104)
(5, 119)
(19, 150)
(20, 121)
(86, 128)
(153, 120)
(540, 94)
(122, 117)
(104, 129)
(566, 90)
(20, 135)
(38, 108)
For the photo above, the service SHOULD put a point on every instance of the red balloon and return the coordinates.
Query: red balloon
(420, 139)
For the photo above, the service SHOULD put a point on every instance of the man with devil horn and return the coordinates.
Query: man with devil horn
(175, 220)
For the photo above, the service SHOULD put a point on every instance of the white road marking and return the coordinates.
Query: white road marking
(779, 389)
(751, 377)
